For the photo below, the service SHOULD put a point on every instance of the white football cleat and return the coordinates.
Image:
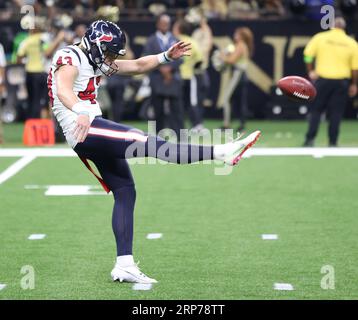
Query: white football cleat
(130, 274)
(232, 152)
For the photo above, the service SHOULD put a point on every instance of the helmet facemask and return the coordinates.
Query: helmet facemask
(105, 60)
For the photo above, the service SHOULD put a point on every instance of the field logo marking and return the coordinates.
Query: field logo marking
(28, 280)
(16, 167)
(328, 280)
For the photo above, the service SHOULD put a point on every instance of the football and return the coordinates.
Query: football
(297, 88)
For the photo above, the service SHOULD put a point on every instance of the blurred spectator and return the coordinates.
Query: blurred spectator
(109, 12)
(2, 70)
(32, 48)
(79, 32)
(2, 85)
(272, 8)
(157, 7)
(166, 3)
(113, 3)
(237, 56)
(184, 4)
(165, 81)
(182, 31)
(116, 85)
(58, 36)
(336, 77)
(214, 9)
(19, 37)
(313, 8)
(203, 35)
(243, 9)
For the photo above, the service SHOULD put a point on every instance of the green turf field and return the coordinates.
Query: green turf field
(212, 225)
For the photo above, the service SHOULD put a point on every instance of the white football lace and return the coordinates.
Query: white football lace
(300, 95)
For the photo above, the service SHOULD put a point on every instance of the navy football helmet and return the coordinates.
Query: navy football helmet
(104, 42)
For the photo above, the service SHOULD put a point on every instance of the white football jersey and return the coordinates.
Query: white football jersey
(85, 88)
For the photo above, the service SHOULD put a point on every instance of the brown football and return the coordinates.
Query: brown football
(297, 88)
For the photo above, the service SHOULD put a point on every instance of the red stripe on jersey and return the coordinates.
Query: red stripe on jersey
(49, 86)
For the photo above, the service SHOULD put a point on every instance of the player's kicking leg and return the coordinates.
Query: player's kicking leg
(120, 141)
(107, 144)
(231, 153)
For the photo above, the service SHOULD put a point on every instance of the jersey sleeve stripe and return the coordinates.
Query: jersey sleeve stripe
(74, 51)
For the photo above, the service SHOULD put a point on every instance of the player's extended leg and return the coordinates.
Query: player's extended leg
(118, 177)
(318, 107)
(108, 144)
(120, 141)
(336, 107)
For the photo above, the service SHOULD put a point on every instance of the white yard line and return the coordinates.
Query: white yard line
(36, 236)
(142, 286)
(314, 152)
(269, 236)
(151, 236)
(16, 167)
(38, 152)
(283, 286)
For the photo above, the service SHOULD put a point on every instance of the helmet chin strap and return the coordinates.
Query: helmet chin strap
(99, 47)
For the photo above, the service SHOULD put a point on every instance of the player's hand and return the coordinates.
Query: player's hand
(179, 50)
(353, 90)
(313, 75)
(81, 130)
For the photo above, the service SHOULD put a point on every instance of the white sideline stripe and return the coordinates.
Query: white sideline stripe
(151, 236)
(2, 286)
(269, 236)
(16, 167)
(36, 236)
(38, 152)
(72, 190)
(314, 152)
(283, 286)
(126, 135)
(142, 286)
(69, 190)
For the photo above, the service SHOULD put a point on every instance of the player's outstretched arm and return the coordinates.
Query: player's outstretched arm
(147, 63)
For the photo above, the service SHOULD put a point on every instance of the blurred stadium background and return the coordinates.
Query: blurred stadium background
(211, 246)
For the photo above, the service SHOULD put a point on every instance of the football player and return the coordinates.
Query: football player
(73, 82)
